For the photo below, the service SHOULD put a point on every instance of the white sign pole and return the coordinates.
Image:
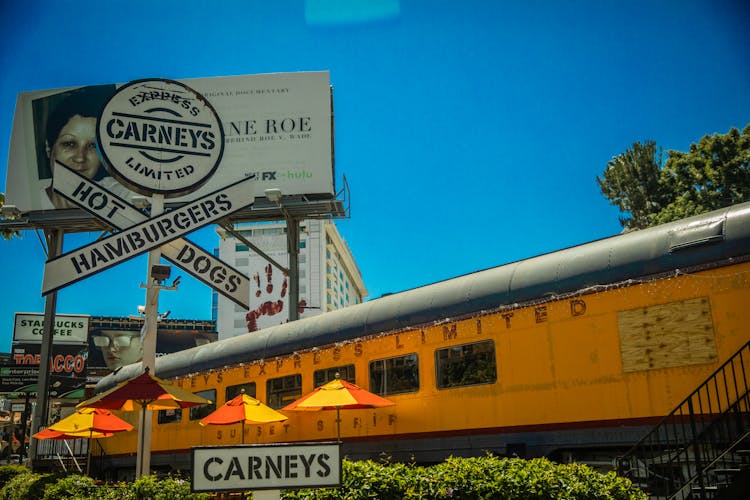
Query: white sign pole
(148, 342)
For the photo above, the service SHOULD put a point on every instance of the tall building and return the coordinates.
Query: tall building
(328, 275)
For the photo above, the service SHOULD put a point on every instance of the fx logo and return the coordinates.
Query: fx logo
(268, 176)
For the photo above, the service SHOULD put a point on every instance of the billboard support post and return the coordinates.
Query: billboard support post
(143, 467)
(292, 238)
(41, 412)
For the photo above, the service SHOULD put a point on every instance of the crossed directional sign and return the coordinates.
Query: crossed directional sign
(138, 234)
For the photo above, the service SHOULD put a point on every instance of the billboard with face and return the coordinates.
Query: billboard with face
(277, 128)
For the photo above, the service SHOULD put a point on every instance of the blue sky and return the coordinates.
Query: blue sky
(470, 133)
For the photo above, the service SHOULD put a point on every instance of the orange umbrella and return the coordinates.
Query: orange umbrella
(338, 394)
(245, 409)
(88, 423)
(50, 434)
(90, 420)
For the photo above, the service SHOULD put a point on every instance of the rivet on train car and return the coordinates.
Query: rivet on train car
(540, 314)
(506, 317)
(450, 332)
(577, 307)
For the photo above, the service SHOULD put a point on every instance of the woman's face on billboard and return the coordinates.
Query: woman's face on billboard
(75, 147)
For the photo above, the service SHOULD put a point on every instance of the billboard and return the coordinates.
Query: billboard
(111, 348)
(69, 329)
(277, 128)
(68, 364)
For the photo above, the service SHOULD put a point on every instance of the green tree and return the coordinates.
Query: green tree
(713, 174)
(6, 233)
(631, 182)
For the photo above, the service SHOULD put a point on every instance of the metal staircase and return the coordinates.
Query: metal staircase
(703, 446)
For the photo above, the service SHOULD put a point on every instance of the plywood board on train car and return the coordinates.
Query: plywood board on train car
(667, 335)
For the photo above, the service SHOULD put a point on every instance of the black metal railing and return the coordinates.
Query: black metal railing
(681, 455)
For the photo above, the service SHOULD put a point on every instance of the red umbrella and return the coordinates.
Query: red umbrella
(245, 409)
(338, 394)
(144, 392)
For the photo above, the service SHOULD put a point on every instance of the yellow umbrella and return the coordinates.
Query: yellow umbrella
(245, 409)
(336, 395)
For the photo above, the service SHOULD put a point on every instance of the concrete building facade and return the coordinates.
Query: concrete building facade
(328, 275)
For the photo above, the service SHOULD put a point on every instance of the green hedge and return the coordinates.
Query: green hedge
(486, 477)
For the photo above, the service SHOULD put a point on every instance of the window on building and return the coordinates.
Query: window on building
(241, 248)
(241, 262)
(202, 411)
(169, 416)
(240, 322)
(283, 390)
(395, 375)
(235, 390)
(325, 375)
(302, 244)
(467, 364)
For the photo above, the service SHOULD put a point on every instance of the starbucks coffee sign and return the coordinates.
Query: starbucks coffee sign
(160, 137)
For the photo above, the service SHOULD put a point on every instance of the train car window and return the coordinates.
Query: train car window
(283, 390)
(394, 375)
(169, 416)
(234, 390)
(199, 412)
(325, 375)
(467, 364)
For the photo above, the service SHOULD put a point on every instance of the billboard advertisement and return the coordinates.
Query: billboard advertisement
(69, 329)
(67, 368)
(269, 298)
(110, 349)
(277, 129)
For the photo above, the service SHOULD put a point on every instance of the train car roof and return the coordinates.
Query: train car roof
(716, 238)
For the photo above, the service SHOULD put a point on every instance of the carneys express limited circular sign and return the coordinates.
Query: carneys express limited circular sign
(160, 136)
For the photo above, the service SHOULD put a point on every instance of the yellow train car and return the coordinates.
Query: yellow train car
(573, 355)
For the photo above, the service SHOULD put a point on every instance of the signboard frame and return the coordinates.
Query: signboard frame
(265, 450)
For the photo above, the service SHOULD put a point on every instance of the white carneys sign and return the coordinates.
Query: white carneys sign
(259, 467)
(118, 213)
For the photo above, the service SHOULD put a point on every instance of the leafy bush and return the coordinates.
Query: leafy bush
(169, 488)
(8, 472)
(28, 486)
(73, 486)
(486, 477)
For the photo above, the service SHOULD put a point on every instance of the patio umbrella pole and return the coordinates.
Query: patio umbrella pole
(88, 454)
(338, 422)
